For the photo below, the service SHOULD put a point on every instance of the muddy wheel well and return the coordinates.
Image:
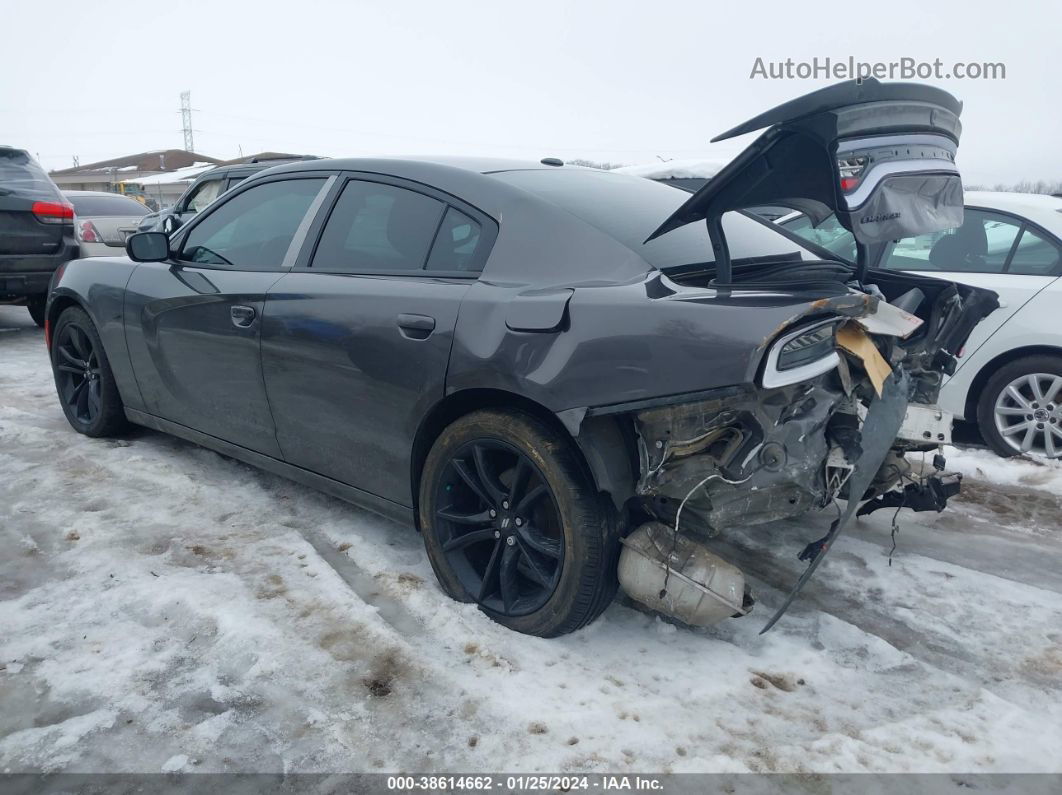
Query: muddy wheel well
(458, 404)
(978, 384)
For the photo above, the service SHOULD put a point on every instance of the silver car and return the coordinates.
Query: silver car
(102, 221)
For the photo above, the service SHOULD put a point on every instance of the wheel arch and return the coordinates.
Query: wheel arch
(59, 304)
(600, 444)
(980, 380)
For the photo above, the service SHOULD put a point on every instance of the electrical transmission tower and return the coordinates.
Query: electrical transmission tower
(186, 120)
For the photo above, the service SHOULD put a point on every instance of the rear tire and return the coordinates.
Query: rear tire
(84, 382)
(1020, 408)
(552, 539)
(35, 305)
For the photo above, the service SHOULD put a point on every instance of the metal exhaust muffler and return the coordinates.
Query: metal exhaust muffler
(677, 575)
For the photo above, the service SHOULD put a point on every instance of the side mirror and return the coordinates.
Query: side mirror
(148, 247)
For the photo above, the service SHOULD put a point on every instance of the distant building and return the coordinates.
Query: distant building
(112, 175)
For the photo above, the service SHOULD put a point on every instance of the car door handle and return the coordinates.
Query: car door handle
(416, 327)
(242, 316)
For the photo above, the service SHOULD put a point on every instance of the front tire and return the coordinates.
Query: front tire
(84, 382)
(1020, 409)
(512, 522)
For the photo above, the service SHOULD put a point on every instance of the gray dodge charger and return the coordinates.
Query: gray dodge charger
(568, 380)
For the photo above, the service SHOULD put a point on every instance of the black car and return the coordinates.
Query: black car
(207, 187)
(36, 231)
(563, 377)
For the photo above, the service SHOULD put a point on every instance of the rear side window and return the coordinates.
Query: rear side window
(21, 176)
(457, 244)
(107, 206)
(981, 245)
(253, 230)
(1034, 256)
(377, 227)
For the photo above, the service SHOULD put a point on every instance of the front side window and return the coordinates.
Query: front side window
(981, 245)
(377, 227)
(1034, 256)
(203, 195)
(253, 230)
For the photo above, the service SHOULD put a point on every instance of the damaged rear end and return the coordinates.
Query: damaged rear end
(846, 387)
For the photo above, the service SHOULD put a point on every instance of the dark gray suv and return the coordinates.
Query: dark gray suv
(36, 231)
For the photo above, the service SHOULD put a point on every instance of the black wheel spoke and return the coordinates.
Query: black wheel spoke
(94, 399)
(538, 542)
(73, 360)
(69, 368)
(489, 583)
(531, 569)
(529, 499)
(450, 515)
(471, 481)
(80, 398)
(510, 589)
(486, 477)
(521, 474)
(467, 539)
(77, 340)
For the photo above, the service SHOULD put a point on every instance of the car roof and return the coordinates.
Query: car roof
(1037, 207)
(478, 165)
(1041, 209)
(96, 193)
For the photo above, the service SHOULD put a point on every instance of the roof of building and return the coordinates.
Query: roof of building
(159, 160)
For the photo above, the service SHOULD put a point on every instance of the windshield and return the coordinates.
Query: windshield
(20, 175)
(629, 209)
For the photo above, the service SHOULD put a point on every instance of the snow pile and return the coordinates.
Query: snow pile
(675, 169)
(1024, 471)
(187, 174)
(166, 609)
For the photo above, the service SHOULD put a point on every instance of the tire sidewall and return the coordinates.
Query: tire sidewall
(585, 526)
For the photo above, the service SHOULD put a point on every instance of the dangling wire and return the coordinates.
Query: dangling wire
(678, 520)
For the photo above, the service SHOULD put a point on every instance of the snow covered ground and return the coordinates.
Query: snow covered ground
(164, 608)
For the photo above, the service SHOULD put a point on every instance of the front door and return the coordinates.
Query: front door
(355, 346)
(194, 323)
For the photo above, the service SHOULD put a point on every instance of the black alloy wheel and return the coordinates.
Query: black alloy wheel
(500, 527)
(77, 374)
(84, 382)
(513, 522)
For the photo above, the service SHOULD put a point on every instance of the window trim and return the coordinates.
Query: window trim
(329, 177)
(489, 229)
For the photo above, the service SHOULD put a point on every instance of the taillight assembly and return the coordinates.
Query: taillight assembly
(87, 233)
(851, 171)
(53, 212)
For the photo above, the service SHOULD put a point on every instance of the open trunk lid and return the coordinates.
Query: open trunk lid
(881, 157)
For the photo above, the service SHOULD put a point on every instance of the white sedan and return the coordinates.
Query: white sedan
(1009, 376)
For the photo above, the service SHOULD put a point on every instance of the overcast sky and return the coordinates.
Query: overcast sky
(619, 81)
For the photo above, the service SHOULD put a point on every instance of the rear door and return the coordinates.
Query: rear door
(356, 339)
(193, 324)
(991, 249)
